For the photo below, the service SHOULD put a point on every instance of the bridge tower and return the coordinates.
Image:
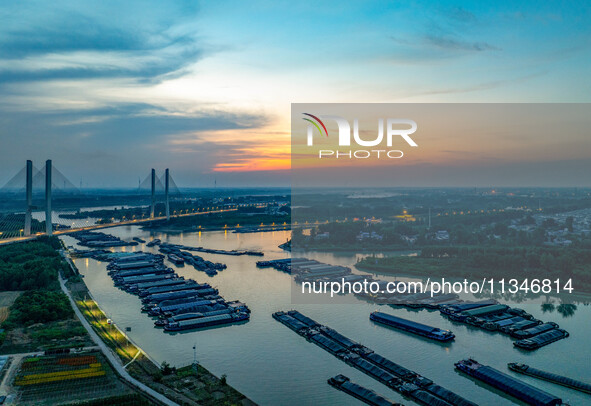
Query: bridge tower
(153, 206)
(29, 194)
(166, 186)
(48, 225)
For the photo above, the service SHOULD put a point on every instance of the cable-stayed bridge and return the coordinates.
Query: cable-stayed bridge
(34, 195)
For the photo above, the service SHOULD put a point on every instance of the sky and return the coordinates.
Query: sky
(108, 90)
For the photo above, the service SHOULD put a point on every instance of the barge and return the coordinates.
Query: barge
(140, 287)
(460, 307)
(409, 383)
(176, 259)
(541, 340)
(412, 327)
(173, 288)
(206, 322)
(506, 383)
(550, 377)
(153, 242)
(190, 316)
(530, 332)
(342, 383)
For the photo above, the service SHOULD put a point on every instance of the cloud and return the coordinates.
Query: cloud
(115, 144)
(142, 40)
(446, 42)
(461, 14)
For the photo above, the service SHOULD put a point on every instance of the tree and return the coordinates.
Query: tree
(569, 223)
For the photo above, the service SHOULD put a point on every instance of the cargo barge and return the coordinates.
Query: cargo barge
(530, 332)
(460, 307)
(550, 377)
(203, 322)
(508, 384)
(396, 377)
(212, 251)
(342, 383)
(140, 287)
(189, 316)
(155, 241)
(412, 327)
(176, 259)
(130, 280)
(541, 340)
(185, 285)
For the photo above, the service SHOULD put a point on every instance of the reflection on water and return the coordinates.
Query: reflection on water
(272, 365)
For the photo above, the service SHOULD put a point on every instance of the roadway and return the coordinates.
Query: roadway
(113, 359)
(119, 223)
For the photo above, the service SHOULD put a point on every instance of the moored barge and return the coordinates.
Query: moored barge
(506, 383)
(412, 327)
(341, 382)
(550, 377)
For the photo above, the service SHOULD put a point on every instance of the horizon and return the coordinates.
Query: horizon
(199, 89)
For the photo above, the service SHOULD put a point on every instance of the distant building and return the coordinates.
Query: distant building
(405, 216)
(369, 236)
(442, 235)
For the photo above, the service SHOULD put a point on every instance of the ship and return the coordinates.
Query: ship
(206, 322)
(412, 327)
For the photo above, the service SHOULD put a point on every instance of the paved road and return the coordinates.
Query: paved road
(115, 361)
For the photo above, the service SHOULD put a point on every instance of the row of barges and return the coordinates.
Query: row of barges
(309, 270)
(413, 327)
(343, 383)
(550, 377)
(214, 251)
(178, 304)
(396, 377)
(488, 314)
(179, 257)
(530, 332)
(96, 239)
(507, 384)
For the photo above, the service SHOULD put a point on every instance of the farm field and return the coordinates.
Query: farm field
(66, 378)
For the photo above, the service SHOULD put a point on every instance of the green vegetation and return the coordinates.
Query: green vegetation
(39, 306)
(124, 400)
(41, 317)
(200, 386)
(229, 219)
(31, 265)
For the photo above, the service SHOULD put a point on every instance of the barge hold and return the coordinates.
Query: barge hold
(396, 377)
(541, 340)
(412, 327)
(550, 377)
(508, 384)
(341, 382)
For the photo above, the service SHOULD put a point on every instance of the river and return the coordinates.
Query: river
(272, 365)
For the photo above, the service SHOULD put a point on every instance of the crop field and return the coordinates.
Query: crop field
(66, 378)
